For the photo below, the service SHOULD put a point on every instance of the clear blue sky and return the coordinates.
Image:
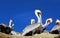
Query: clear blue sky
(22, 11)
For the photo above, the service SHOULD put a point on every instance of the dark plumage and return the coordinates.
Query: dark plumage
(55, 32)
(5, 29)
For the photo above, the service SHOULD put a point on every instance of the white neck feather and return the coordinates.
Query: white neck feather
(38, 17)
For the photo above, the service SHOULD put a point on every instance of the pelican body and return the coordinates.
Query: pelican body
(5, 29)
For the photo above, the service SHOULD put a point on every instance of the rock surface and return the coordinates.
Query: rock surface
(43, 35)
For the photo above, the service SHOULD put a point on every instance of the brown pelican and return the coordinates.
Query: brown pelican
(32, 22)
(38, 27)
(42, 26)
(56, 28)
(11, 26)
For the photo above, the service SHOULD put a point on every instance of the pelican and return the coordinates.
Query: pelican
(5, 28)
(38, 15)
(33, 22)
(56, 28)
(38, 27)
(42, 26)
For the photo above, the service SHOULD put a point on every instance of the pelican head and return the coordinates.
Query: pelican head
(32, 21)
(11, 23)
(48, 21)
(57, 22)
(37, 13)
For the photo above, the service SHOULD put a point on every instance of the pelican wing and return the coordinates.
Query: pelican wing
(30, 28)
(55, 28)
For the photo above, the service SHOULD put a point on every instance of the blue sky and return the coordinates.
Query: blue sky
(22, 11)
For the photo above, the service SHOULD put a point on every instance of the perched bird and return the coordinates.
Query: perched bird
(56, 28)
